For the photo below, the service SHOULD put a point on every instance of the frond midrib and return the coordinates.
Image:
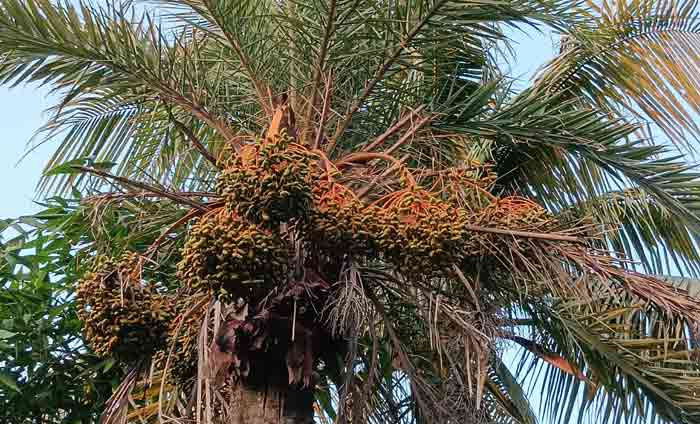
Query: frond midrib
(605, 50)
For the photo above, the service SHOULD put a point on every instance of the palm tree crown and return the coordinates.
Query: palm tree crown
(347, 202)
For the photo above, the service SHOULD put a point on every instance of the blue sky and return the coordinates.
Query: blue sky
(21, 113)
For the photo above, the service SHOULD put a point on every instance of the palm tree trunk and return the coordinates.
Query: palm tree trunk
(268, 373)
(256, 405)
(262, 393)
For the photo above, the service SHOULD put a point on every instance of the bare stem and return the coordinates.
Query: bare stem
(195, 141)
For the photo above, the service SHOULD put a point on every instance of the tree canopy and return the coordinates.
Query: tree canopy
(350, 201)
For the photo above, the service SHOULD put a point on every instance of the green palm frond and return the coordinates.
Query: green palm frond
(511, 405)
(390, 62)
(638, 361)
(249, 31)
(116, 80)
(637, 57)
(568, 154)
(213, 67)
(575, 159)
(634, 223)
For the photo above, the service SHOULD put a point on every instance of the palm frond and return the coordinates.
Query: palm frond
(633, 223)
(638, 359)
(114, 77)
(414, 69)
(573, 158)
(639, 58)
(510, 402)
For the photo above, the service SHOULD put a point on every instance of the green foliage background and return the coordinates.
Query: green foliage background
(46, 372)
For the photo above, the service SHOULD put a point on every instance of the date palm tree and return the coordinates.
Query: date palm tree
(343, 210)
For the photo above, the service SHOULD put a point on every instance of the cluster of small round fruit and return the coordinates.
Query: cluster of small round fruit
(231, 256)
(123, 315)
(269, 182)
